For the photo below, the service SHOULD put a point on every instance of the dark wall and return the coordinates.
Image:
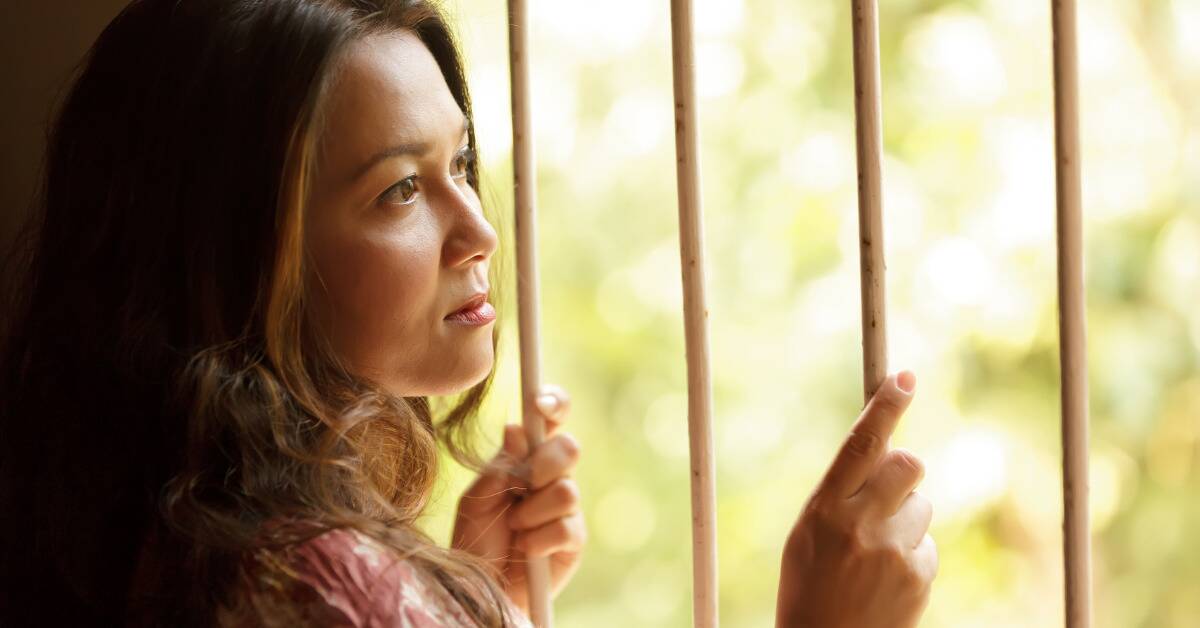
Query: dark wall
(41, 41)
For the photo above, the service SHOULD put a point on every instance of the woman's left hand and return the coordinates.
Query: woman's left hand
(527, 505)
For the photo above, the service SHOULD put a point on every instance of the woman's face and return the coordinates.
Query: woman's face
(396, 236)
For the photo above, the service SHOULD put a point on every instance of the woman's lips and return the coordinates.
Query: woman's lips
(477, 312)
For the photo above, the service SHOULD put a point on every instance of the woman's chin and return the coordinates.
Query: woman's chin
(441, 374)
(469, 371)
(478, 376)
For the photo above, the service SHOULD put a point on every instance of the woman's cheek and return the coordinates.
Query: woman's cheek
(377, 287)
(395, 295)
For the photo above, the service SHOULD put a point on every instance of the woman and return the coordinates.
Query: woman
(260, 251)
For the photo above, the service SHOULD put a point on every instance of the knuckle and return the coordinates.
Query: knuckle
(887, 404)
(560, 531)
(863, 443)
(819, 513)
(923, 503)
(892, 556)
(582, 531)
(897, 562)
(924, 566)
(577, 531)
(514, 437)
(854, 537)
(565, 491)
(912, 579)
(935, 559)
(569, 446)
(849, 535)
(827, 525)
(907, 462)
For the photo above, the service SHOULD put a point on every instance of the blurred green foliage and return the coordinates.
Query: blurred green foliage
(969, 212)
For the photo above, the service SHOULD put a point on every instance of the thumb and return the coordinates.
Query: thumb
(515, 444)
(868, 439)
(510, 460)
(497, 478)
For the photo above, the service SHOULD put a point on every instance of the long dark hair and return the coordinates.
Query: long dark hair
(163, 390)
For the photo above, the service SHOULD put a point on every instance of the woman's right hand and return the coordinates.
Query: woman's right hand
(859, 555)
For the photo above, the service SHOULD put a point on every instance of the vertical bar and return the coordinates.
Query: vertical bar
(695, 319)
(869, 143)
(1072, 330)
(525, 184)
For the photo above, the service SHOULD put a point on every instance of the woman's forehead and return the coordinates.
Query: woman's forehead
(389, 91)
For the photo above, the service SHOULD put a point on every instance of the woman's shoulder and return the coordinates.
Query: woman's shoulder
(343, 577)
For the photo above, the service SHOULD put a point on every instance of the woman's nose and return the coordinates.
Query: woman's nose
(471, 237)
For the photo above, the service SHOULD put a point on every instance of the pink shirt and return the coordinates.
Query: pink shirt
(349, 579)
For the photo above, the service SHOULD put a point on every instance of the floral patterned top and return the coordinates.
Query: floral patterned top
(345, 578)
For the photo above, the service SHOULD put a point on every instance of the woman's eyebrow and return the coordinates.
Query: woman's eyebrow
(417, 149)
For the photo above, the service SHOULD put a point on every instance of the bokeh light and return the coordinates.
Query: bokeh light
(969, 218)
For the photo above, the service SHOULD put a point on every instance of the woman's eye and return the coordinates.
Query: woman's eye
(403, 192)
(461, 165)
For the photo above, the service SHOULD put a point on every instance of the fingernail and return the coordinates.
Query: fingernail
(547, 403)
(906, 381)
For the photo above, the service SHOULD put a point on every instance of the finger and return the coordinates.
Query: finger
(514, 444)
(509, 468)
(925, 558)
(868, 438)
(896, 476)
(553, 459)
(557, 500)
(911, 522)
(561, 535)
(499, 482)
(554, 404)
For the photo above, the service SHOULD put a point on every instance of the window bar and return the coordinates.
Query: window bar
(1072, 330)
(525, 185)
(695, 318)
(869, 143)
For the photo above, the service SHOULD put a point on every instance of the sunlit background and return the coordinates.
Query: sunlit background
(969, 213)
